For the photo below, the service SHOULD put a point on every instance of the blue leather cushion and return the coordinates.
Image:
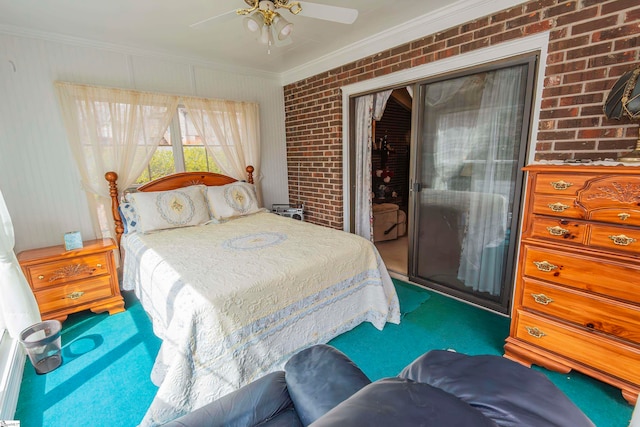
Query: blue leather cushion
(507, 392)
(319, 378)
(264, 402)
(401, 402)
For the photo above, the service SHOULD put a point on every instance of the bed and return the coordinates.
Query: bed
(234, 295)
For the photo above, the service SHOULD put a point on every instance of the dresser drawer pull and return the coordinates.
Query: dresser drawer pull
(557, 231)
(545, 266)
(541, 299)
(624, 216)
(558, 207)
(535, 332)
(622, 240)
(41, 277)
(561, 185)
(99, 265)
(75, 295)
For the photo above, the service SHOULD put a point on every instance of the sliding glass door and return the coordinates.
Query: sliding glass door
(470, 146)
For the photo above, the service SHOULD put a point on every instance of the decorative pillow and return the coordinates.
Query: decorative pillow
(158, 210)
(129, 217)
(231, 200)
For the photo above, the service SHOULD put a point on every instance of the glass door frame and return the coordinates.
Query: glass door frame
(502, 305)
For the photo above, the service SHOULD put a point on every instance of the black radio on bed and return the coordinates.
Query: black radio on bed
(295, 211)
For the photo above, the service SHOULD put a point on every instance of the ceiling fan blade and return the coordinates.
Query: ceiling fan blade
(342, 15)
(226, 16)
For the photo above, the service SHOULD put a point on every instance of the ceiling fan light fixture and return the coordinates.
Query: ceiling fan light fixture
(265, 35)
(253, 23)
(282, 27)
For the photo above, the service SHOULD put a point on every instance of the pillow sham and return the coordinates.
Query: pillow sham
(129, 217)
(159, 210)
(232, 200)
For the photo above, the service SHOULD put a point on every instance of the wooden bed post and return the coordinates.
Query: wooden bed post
(112, 177)
(250, 170)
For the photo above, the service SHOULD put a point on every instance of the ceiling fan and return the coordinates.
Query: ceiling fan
(263, 17)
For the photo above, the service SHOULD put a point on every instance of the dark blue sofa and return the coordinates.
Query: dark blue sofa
(320, 386)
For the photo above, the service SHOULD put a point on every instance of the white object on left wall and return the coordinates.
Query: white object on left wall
(12, 361)
(18, 310)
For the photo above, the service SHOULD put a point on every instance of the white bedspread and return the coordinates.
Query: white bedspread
(234, 301)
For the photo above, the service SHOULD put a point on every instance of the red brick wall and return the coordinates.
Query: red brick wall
(591, 44)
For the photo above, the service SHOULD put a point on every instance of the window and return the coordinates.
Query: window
(181, 150)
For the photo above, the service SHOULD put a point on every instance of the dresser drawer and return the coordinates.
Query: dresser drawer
(590, 311)
(74, 294)
(53, 273)
(589, 348)
(617, 215)
(564, 207)
(615, 239)
(557, 229)
(599, 275)
(560, 183)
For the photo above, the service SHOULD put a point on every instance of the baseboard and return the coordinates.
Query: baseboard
(12, 360)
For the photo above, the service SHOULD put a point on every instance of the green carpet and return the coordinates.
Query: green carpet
(104, 379)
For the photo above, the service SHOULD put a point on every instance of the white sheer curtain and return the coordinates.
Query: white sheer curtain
(363, 214)
(483, 250)
(18, 307)
(231, 132)
(112, 130)
(454, 129)
(368, 108)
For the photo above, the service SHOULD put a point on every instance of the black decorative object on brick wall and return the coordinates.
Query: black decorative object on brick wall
(624, 101)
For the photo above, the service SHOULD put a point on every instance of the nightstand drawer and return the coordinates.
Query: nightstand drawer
(587, 310)
(50, 274)
(589, 348)
(579, 271)
(74, 294)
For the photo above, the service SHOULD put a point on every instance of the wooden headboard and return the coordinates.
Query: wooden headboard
(169, 182)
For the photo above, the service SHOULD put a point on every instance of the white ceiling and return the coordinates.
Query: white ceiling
(162, 27)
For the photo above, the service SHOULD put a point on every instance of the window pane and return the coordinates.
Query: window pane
(196, 156)
(162, 163)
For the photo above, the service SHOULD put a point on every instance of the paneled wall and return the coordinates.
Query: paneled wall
(592, 43)
(38, 176)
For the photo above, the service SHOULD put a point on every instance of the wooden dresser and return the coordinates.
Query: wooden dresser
(577, 296)
(65, 282)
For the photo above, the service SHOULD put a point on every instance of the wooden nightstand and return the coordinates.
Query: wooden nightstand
(65, 282)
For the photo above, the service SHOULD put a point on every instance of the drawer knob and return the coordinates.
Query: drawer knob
(561, 185)
(622, 240)
(75, 295)
(535, 332)
(557, 231)
(41, 277)
(545, 266)
(541, 299)
(558, 207)
(99, 265)
(624, 216)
